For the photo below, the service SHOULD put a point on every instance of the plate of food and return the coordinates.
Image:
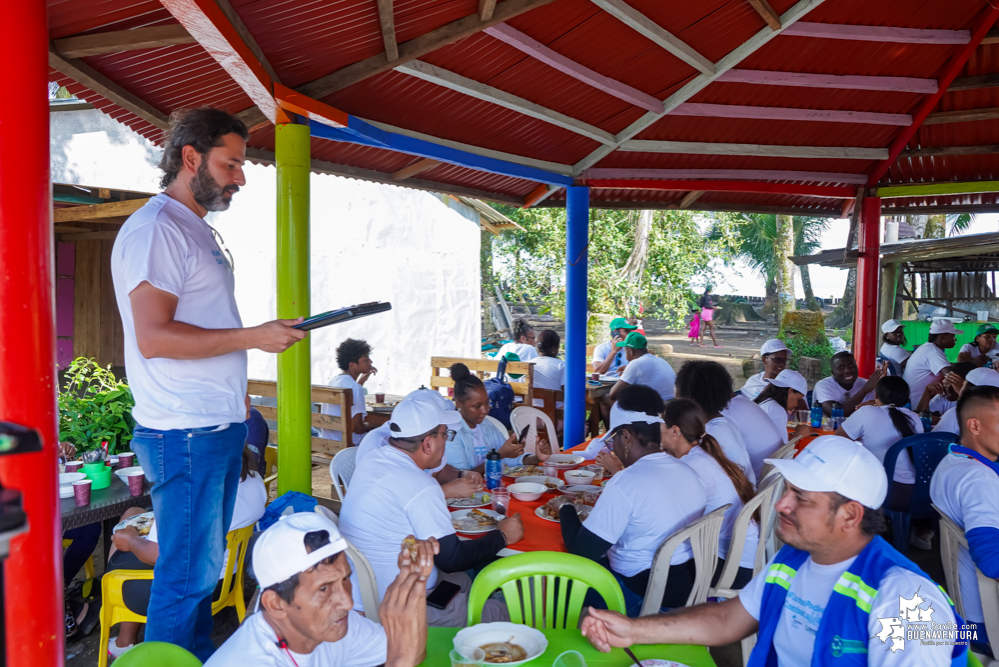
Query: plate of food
(549, 511)
(524, 471)
(553, 483)
(475, 500)
(584, 489)
(475, 521)
(141, 522)
(509, 644)
(565, 461)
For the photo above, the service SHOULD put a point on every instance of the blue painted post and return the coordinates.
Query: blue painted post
(577, 238)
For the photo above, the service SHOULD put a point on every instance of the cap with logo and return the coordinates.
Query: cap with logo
(832, 463)
(983, 377)
(943, 326)
(416, 417)
(621, 323)
(791, 380)
(634, 340)
(891, 325)
(773, 345)
(280, 551)
(988, 327)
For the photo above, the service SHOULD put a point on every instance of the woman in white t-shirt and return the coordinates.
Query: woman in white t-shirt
(982, 348)
(684, 437)
(781, 395)
(549, 370)
(522, 344)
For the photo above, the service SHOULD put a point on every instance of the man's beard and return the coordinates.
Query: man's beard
(208, 193)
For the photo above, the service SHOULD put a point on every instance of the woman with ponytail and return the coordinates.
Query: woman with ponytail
(684, 437)
(780, 396)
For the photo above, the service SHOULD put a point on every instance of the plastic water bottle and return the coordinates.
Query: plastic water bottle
(927, 420)
(494, 470)
(837, 415)
(815, 417)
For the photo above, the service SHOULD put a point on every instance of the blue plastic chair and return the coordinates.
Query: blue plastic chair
(928, 449)
(894, 368)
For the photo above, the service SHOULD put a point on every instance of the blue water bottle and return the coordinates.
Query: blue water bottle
(837, 415)
(927, 420)
(816, 416)
(494, 470)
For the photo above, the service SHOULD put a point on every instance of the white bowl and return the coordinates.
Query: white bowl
(541, 479)
(531, 640)
(565, 461)
(123, 472)
(67, 478)
(579, 477)
(527, 491)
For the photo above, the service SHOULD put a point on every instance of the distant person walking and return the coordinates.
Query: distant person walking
(185, 357)
(707, 314)
(695, 327)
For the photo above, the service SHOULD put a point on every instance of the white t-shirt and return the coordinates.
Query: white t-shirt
(720, 491)
(601, 352)
(896, 353)
(948, 423)
(778, 415)
(754, 385)
(651, 371)
(165, 244)
(972, 349)
(811, 588)
(760, 434)
(872, 427)
(471, 444)
(389, 499)
(643, 505)
(827, 389)
(925, 367)
(255, 643)
(728, 436)
(941, 404)
(523, 350)
(357, 407)
(968, 492)
(549, 373)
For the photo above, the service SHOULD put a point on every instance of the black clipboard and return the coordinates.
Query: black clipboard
(343, 315)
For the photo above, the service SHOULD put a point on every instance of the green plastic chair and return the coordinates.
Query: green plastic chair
(157, 654)
(544, 589)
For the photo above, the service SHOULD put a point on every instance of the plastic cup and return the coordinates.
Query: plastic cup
(81, 492)
(595, 376)
(598, 472)
(126, 459)
(135, 482)
(804, 416)
(570, 659)
(379, 398)
(550, 469)
(474, 657)
(501, 501)
(73, 466)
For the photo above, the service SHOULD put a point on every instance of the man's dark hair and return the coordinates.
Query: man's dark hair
(873, 523)
(317, 539)
(962, 368)
(707, 383)
(351, 350)
(841, 355)
(408, 444)
(201, 128)
(973, 398)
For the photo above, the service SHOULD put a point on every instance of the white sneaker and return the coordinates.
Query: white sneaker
(114, 651)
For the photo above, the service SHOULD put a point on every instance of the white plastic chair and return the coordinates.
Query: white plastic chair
(703, 536)
(767, 535)
(341, 470)
(528, 416)
(783, 452)
(366, 580)
(952, 539)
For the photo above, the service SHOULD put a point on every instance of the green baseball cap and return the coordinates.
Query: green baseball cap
(621, 323)
(634, 340)
(985, 328)
(513, 356)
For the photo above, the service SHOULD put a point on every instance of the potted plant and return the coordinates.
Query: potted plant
(95, 407)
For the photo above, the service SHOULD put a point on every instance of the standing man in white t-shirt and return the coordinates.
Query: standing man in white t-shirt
(643, 368)
(833, 590)
(354, 359)
(928, 363)
(185, 357)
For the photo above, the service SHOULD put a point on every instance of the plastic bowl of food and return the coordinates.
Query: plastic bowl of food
(579, 477)
(527, 491)
(508, 644)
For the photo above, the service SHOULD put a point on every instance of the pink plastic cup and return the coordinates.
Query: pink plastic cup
(73, 466)
(379, 398)
(135, 482)
(595, 377)
(81, 492)
(126, 459)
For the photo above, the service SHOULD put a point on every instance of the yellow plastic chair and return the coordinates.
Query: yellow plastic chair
(158, 654)
(114, 611)
(88, 569)
(544, 589)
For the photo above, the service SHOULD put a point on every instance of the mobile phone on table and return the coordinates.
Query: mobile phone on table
(442, 594)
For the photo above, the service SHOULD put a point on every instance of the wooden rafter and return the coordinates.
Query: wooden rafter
(244, 34)
(974, 82)
(97, 212)
(386, 18)
(486, 9)
(901, 84)
(877, 33)
(418, 167)
(690, 198)
(730, 175)
(757, 150)
(930, 151)
(961, 116)
(768, 14)
(782, 113)
(82, 46)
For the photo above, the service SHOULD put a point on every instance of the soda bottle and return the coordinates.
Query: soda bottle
(494, 470)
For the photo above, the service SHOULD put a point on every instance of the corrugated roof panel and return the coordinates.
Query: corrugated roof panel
(620, 160)
(72, 17)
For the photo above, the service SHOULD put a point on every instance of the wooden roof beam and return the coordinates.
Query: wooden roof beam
(648, 28)
(901, 84)
(82, 46)
(877, 33)
(961, 116)
(767, 13)
(729, 175)
(756, 150)
(779, 113)
(418, 167)
(247, 37)
(97, 212)
(386, 19)
(486, 9)
(689, 198)
(974, 82)
(931, 151)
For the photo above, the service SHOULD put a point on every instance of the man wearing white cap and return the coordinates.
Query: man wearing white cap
(305, 605)
(891, 348)
(845, 386)
(978, 377)
(928, 362)
(774, 354)
(391, 496)
(832, 595)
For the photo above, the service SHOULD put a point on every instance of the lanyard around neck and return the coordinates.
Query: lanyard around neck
(958, 449)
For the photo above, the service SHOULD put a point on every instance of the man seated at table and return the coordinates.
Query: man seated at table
(928, 362)
(354, 359)
(607, 357)
(980, 377)
(391, 496)
(965, 486)
(305, 608)
(939, 397)
(844, 386)
(643, 368)
(774, 354)
(833, 590)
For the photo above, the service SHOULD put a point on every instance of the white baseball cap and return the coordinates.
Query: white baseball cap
(280, 551)
(431, 395)
(891, 325)
(834, 463)
(983, 377)
(791, 380)
(619, 417)
(416, 417)
(942, 326)
(773, 345)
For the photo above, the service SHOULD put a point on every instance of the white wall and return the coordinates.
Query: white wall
(370, 242)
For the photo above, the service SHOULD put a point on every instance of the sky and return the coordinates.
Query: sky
(739, 279)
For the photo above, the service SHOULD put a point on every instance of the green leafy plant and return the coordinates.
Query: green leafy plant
(801, 347)
(94, 407)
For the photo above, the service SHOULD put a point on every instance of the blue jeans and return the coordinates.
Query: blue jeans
(194, 473)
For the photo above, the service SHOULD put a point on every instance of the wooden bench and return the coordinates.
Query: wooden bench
(522, 386)
(323, 449)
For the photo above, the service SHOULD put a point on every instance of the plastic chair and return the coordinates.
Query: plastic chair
(544, 589)
(366, 581)
(703, 536)
(88, 569)
(762, 501)
(767, 534)
(527, 416)
(928, 449)
(788, 451)
(500, 425)
(157, 654)
(114, 611)
(894, 368)
(270, 466)
(341, 470)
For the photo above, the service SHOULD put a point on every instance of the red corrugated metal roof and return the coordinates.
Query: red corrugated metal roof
(307, 39)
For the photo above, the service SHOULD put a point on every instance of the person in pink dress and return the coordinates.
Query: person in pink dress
(695, 328)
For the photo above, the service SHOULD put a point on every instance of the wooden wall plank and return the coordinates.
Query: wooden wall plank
(86, 308)
(106, 305)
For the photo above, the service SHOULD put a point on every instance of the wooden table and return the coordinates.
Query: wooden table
(380, 415)
(106, 506)
(440, 642)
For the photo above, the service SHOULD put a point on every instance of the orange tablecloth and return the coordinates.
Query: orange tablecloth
(808, 438)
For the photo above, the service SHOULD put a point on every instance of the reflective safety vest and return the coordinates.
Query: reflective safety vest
(842, 635)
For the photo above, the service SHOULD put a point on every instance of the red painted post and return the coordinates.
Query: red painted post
(866, 325)
(33, 572)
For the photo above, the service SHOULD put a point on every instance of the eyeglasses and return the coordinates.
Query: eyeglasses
(221, 244)
(448, 434)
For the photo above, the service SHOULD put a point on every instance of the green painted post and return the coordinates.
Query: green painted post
(294, 366)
